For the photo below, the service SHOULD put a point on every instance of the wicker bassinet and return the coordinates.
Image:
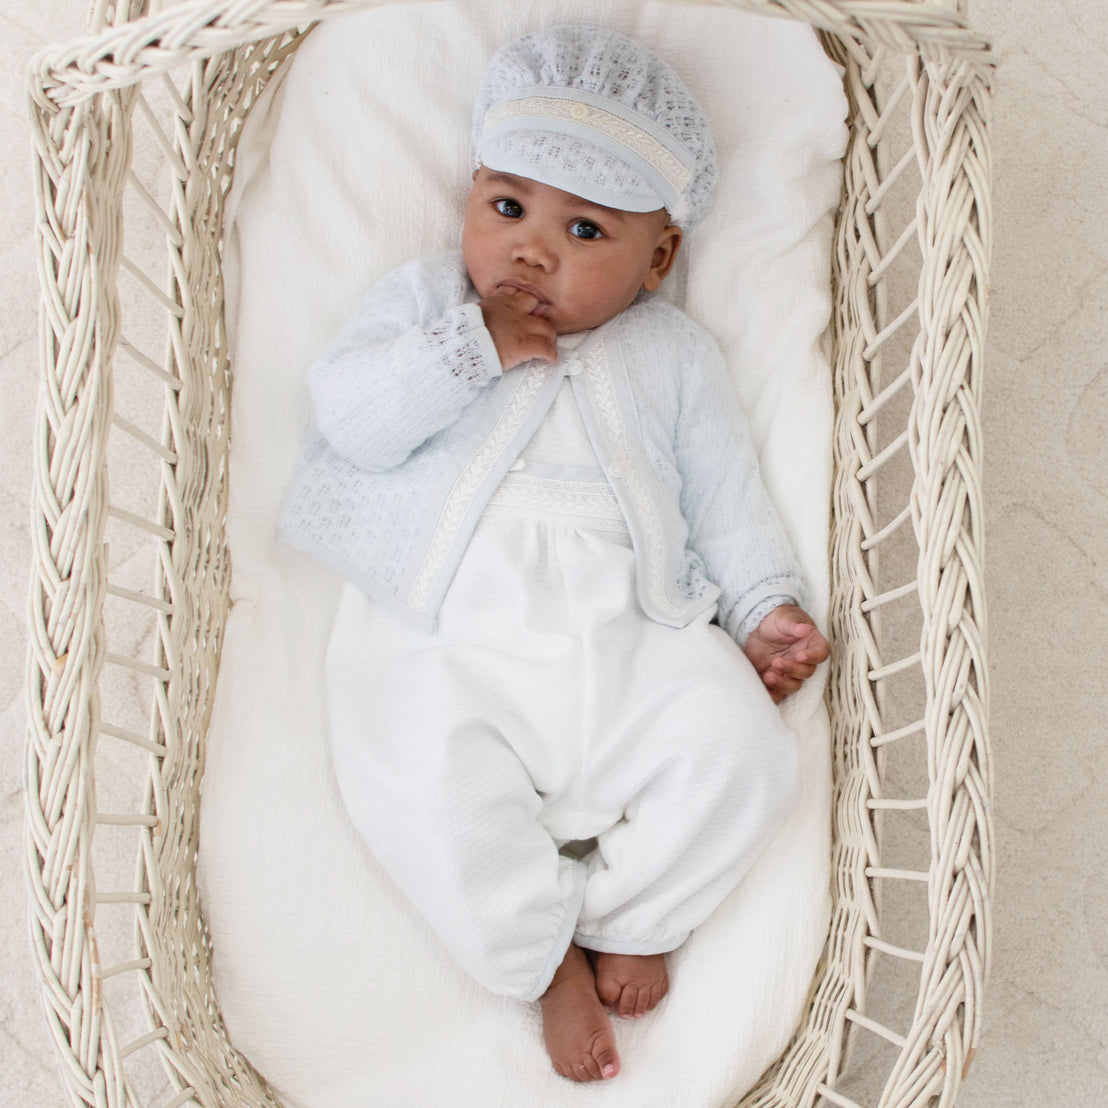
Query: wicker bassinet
(138, 124)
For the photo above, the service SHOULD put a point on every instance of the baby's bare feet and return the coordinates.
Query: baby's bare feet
(631, 984)
(578, 1034)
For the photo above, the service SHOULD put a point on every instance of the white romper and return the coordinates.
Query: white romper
(547, 713)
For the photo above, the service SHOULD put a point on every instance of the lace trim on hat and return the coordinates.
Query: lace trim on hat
(577, 112)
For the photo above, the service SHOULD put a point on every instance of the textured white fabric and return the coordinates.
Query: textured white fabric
(547, 707)
(328, 980)
(560, 448)
(587, 110)
(573, 495)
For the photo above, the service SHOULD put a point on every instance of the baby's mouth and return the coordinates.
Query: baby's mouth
(542, 307)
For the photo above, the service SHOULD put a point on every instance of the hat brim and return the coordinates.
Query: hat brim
(642, 199)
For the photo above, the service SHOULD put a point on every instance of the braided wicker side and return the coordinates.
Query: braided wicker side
(79, 242)
(85, 155)
(947, 103)
(907, 378)
(195, 576)
(948, 519)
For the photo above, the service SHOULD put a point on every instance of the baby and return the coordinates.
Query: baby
(570, 609)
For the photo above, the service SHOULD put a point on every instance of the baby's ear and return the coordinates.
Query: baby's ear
(665, 253)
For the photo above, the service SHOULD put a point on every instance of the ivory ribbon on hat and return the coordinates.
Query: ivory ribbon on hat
(628, 135)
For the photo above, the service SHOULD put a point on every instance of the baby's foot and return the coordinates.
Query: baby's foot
(578, 1034)
(631, 984)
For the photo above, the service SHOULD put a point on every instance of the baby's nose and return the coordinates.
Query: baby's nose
(534, 249)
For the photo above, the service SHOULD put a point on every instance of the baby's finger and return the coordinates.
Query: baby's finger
(792, 663)
(789, 686)
(784, 686)
(798, 627)
(540, 337)
(800, 670)
(545, 345)
(518, 299)
(781, 684)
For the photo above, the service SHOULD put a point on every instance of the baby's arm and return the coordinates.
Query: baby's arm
(735, 528)
(733, 525)
(785, 649)
(406, 365)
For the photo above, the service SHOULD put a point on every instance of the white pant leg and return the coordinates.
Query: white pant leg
(548, 704)
(443, 800)
(707, 772)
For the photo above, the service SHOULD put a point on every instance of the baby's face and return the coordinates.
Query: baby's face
(583, 262)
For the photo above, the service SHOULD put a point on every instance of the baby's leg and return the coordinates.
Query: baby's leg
(576, 1028)
(708, 771)
(445, 804)
(631, 984)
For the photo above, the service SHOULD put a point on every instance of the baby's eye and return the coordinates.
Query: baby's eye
(585, 229)
(510, 208)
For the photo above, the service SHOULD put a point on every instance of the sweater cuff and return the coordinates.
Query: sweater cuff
(754, 617)
(477, 347)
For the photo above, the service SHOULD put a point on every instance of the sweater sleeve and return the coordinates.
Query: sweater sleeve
(733, 525)
(405, 366)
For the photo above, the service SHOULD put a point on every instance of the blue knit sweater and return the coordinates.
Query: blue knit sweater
(415, 426)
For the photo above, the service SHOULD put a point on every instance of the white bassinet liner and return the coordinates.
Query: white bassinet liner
(359, 160)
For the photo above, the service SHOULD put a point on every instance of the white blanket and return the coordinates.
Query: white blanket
(328, 981)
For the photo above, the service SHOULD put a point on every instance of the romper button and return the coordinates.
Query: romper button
(518, 464)
(579, 111)
(617, 471)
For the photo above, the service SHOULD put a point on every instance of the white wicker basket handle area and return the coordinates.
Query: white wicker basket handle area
(198, 29)
(908, 689)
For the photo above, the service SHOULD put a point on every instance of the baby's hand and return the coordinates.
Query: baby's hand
(518, 335)
(785, 649)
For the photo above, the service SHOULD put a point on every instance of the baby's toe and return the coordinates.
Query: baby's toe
(600, 1062)
(646, 1001)
(609, 990)
(629, 1001)
(606, 1059)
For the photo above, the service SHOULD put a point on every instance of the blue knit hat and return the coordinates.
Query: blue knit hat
(589, 111)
